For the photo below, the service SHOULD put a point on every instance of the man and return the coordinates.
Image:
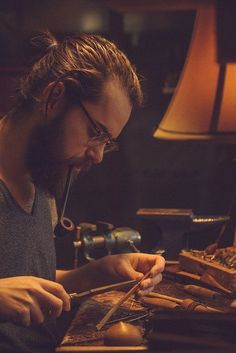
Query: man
(73, 103)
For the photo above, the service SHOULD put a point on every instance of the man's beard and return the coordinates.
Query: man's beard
(45, 162)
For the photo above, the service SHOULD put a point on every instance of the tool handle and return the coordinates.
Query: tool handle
(186, 304)
(192, 305)
(201, 291)
(159, 303)
(209, 279)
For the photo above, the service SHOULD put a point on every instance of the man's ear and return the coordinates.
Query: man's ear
(53, 99)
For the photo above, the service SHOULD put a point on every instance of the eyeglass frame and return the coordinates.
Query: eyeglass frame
(110, 145)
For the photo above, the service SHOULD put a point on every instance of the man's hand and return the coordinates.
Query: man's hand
(133, 266)
(27, 300)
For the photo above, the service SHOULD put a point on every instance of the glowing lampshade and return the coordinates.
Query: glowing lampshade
(203, 106)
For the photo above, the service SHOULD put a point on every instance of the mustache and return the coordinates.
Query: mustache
(83, 163)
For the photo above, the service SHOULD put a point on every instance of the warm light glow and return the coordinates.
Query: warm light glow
(228, 108)
(204, 104)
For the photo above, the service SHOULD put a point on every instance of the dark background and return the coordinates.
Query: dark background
(145, 173)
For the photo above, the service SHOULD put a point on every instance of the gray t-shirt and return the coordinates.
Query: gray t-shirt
(26, 249)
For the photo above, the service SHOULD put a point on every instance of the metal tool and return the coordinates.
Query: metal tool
(104, 320)
(100, 239)
(95, 240)
(187, 304)
(131, 318)
(211, 248)
(76, 297)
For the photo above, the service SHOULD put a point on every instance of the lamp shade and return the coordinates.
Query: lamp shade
(203, 106)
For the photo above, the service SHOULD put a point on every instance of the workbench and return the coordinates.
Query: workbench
(82, 335)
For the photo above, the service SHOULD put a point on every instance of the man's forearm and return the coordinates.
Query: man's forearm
(83, 278)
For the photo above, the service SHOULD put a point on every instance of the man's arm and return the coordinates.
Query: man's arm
(83, 278)
(111, 269)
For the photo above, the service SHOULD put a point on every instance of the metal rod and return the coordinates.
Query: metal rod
(130, 318)
(77, 296)
(104, 320)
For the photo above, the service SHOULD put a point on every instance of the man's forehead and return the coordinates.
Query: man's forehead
(113, 86)
(115, 107)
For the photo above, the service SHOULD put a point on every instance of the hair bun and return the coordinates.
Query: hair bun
(53, 45)
(43, 42)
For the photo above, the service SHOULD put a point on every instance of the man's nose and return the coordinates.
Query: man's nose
(96, 153)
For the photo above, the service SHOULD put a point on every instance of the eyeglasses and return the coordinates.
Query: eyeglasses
(102, 135)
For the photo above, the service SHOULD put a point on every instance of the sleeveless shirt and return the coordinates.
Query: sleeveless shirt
(26, 249)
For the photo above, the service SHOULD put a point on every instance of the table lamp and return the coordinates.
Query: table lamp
(203, 106)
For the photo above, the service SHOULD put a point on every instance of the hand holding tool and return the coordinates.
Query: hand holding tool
(120, 302)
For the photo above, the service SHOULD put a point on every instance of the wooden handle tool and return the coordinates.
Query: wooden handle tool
(159, 303)
(187, 304)
(201, 292)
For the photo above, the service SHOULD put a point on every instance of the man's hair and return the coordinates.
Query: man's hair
(83, 62)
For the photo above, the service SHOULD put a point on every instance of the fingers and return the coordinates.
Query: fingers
(125, 268)
(27, 300)
(57, 291)
(45, 299)
(158, 265)
(22, 316)
(149, 262)
(130, 272)
(149, 284)
(36, 314)
(51, 300)
(155, 264)
(36, 310)
(27, 315)
(50, 305)
(136, 265)
(155, 277)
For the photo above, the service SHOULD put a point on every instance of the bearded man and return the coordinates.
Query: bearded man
(71, 106)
